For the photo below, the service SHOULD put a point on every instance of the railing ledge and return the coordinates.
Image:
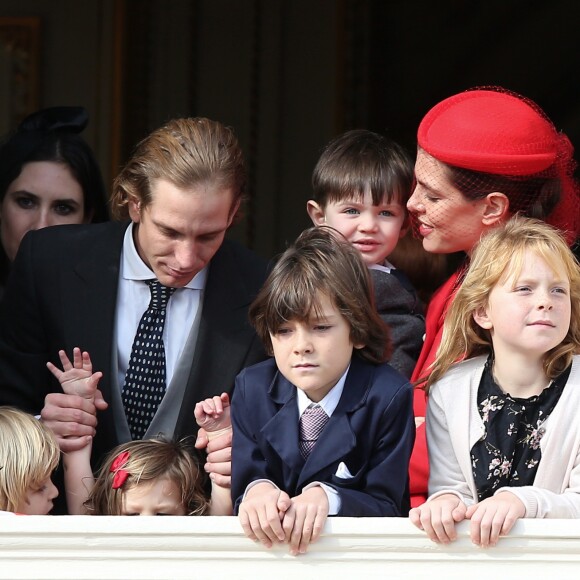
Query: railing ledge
(83, 547)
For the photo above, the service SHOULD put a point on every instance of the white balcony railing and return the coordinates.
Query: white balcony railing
(213, 548)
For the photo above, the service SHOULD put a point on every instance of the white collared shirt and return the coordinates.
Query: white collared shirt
(133, 298)
(328, 403)
(386, 266)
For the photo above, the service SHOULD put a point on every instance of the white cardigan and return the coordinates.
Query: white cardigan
(454, 425)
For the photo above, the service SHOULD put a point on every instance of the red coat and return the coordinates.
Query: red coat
(419, 465)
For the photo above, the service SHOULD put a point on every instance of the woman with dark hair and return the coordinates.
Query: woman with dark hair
(48, 176)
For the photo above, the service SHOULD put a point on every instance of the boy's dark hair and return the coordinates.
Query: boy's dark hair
(322, 261)
(360, 160)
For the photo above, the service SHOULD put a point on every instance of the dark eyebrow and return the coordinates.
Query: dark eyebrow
(25, 192)
(165, 227)
(67, 200)
(428, 187)
(33, 195)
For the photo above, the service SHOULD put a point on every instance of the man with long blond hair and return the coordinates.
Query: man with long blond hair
(97, 287)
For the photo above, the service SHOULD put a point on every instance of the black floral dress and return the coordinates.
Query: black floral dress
(508, 453)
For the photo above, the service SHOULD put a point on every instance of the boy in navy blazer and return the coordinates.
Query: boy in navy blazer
(315, 314)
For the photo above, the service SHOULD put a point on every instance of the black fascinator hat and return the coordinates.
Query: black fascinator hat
(53, 134)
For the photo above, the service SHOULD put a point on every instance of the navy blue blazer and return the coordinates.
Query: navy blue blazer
(372, 431)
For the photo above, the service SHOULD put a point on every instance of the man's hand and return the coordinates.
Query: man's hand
(304, 521)
(71, 418)
(219, 456)
(261, 513)
(439, 516)
(72, 415)
(493, 517)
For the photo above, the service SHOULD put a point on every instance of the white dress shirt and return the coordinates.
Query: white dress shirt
(386, 266)
(328, 404)
(133, 298)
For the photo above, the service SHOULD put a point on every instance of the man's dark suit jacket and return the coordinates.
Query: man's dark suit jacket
(371, 431)
(62, 293)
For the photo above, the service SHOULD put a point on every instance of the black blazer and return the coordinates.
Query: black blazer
(62, 293)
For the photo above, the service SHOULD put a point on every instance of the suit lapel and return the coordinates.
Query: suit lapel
(90, 323)
(224, 337)
(338, 439)
(281, 431)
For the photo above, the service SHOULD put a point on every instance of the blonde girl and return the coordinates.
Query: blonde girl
(29, 454)
(503, 425)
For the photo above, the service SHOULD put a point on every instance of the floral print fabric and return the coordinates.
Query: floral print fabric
(508, 454)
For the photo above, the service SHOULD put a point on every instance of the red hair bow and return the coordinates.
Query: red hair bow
(121, 475)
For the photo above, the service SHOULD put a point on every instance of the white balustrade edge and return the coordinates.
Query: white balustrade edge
(83, 547)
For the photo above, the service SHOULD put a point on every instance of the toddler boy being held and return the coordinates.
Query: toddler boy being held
(361, 184)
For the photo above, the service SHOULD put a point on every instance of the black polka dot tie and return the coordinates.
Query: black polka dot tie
(145, 377)
(312, 422)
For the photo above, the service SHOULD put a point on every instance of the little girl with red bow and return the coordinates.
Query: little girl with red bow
(146, 477)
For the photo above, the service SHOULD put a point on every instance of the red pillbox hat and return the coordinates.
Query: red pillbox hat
(494, 131)
(490, 130)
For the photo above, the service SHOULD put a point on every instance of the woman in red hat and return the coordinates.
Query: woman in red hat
(483, 156)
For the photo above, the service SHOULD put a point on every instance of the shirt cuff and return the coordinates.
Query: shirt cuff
(437, 494)
(334, 501)
(255, 482)
(530, 503)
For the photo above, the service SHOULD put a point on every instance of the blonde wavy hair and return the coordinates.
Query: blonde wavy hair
(149, 460)
(29, 454)
(186, 152)
(498, 257)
